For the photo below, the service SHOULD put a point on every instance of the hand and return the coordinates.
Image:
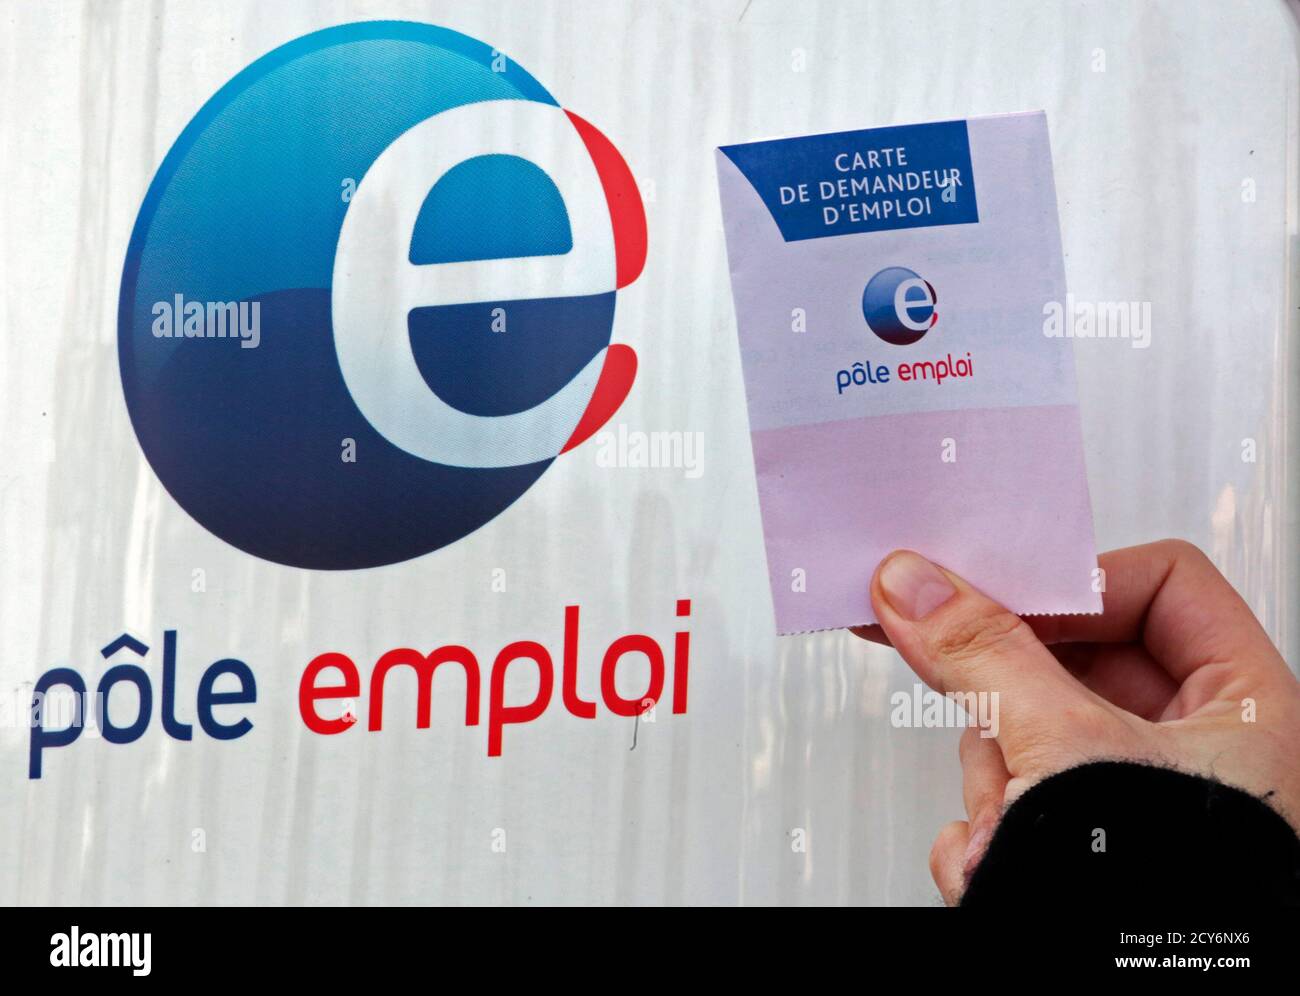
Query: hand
(1176, 671)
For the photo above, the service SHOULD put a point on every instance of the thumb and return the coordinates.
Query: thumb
(960, 641)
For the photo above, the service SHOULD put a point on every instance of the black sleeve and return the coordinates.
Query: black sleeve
(1110, 832)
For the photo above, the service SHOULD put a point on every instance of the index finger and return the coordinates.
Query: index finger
(1171, 598)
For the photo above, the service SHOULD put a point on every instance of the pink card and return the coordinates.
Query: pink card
(890, 288)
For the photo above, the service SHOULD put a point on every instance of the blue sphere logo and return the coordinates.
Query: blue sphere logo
(899, 306)
(369, 296)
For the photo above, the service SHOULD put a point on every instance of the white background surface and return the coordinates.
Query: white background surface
(1150, 155)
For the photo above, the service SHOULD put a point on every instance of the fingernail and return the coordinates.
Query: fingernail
(913, 585)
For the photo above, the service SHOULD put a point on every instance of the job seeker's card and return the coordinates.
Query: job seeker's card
(904, 389)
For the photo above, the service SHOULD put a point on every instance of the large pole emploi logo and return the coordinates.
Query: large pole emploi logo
(369, 296)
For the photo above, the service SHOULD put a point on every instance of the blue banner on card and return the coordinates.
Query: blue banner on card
(911, 176)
